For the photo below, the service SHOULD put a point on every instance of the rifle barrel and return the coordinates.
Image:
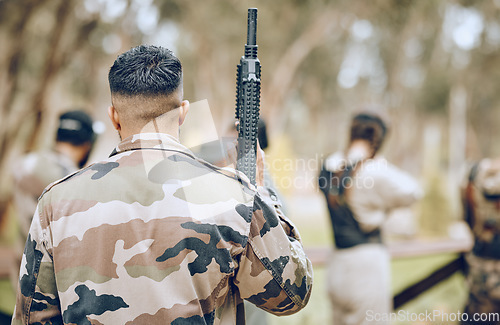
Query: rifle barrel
(252, 27)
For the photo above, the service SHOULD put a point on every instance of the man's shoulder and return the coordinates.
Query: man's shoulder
(64, 181)
(154, 172)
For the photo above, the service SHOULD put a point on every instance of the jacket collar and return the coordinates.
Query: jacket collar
(163, 141)
(159, 141)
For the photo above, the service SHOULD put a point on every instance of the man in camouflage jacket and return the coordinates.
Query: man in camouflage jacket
(154, 235)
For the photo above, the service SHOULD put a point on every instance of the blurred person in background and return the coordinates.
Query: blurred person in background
(74, 141)
(360, 190)
(481, 202)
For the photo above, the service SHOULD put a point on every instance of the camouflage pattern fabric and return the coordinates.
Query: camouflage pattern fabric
(483, 279)
(481, 196)
(32, 174)
(153, 235)
(482, 204)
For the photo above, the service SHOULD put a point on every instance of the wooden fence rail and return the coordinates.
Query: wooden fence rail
(408, 249)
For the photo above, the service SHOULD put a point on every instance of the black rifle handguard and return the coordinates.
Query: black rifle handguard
(248, 101)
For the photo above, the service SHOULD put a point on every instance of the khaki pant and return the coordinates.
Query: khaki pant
(358, 284)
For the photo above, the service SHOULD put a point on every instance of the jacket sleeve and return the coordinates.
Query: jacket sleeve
(377, 188)
(397, 188)
(274, 272)
(37, 300)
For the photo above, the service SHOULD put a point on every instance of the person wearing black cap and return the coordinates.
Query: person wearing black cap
(74, 140)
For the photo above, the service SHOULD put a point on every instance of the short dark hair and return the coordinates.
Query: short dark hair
(145, 70)
(369, 127)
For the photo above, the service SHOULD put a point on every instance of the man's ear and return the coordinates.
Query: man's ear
(115, 119)
(183, 111)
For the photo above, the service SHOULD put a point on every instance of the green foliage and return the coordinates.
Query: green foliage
(7, 297)
(435, 213)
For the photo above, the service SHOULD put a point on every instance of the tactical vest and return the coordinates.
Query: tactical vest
(346, 230)
(482, 212)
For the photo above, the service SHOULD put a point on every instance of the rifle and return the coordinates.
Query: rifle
(248, 101)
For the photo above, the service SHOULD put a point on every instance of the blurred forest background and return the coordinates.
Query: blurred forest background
(432, 67)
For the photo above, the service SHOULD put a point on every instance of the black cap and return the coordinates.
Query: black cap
(75, 127)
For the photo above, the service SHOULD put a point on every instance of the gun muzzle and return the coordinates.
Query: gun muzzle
(252, 27)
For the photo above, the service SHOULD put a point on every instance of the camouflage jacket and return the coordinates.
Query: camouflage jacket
(154, 235)
(481, 199)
